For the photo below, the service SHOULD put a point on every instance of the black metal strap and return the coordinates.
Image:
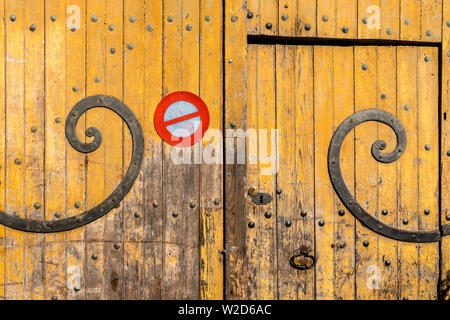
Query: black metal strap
(121, 190)
(341, 188)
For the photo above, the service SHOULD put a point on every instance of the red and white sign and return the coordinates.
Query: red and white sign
(181, 119)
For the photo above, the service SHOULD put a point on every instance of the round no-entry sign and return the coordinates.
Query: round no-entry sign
(181, 119)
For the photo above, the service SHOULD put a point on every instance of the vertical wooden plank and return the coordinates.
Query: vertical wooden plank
(55, 147)
(323, 127)
(288, 22)
(295, 178)
(113, 132)
(235, 174)
(387, 174)
(346, 19)
(366, 180)
(407, 59)
(2, 150)
(428, 170)
(252, 16)
(344, 225)
(211, 180)
(34, 145)
(369, 19)
(153, 160)
(445, 152)
(326, 18)
(181, 72)
(390, 16)
(75, 161)
(410, 19)
(268, 18)
(307, 18)
(134, 97)
(95, 161)
(15, 157)
(431, 20)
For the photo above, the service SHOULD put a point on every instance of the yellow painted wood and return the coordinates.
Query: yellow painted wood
(344, 226)
(252, 24)
(289, 23)
(428, 171)
(387, 174)
(15, 146)
(445, 159)
(307, 15)
(390, 16)
(323, 126)
(431, 17)
(295, 177)
(326, 18)
(407, 72)
(366, 179)
(55, 147)
(410, 20)
(211, 181)
(34, 147)
(2, 155)
(75, 47)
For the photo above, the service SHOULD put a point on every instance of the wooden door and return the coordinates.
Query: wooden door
(305, 92)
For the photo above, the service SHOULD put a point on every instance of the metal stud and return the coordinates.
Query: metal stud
(74, 88)
(230, 61)
(447, 217)
(279, 191)
(341, 212)
(73, 28)
(77, 288)
(192, 205)
(333, 245)
(111, 27)
(389, 31)
(234, 18)
(175, 214)
(170, 19)
(268, 215)
(249, 15)
(321, 223)
(32, 28)
(383, 96)
(117, 246)
(406, 21)
(307, 27)
(284, 17)
(387, 263)
(216, 202)
(406, 107)
(268, 25)
(426, 212)
(97, 79)
(366, 243)
(58, 119)
(426, 59)
(132, 19)
(365, 20)
(137, 215)
(155, 204)
(13, 17)
(53, 18)
(325, 18)
(232, 125)
(288, 223)
(15, 214)
(150, 28)
(448, 54)
(189, 27)
(207, 18)
(33, 129)
(57, 215)
(17, 161)
(130, 46)
(94, 256)
(428, 33)
(344, 29)
(94, 18)
(251, 224)
(364, 67)
(405, 221)
(77, 205)
(384, 212)
(112, 50)
(303, 213)
(54, 298)
(342, 245)
(448, 23)
(37, 205)
(427, 147)
(448, 153)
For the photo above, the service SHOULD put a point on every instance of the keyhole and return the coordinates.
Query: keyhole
(261, 198)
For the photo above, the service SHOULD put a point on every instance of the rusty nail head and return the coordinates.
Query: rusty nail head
(288, 223)
(117, 246)
(94, 256)
(137, 215)
(366, 243)
(341, 212)
(216, 202)
(307, 27)
(174, 214)
(251, 224)
(155, 204)
(268, 25)
(303, 213)
(249, 15)
(321, 223)
(268, 214)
